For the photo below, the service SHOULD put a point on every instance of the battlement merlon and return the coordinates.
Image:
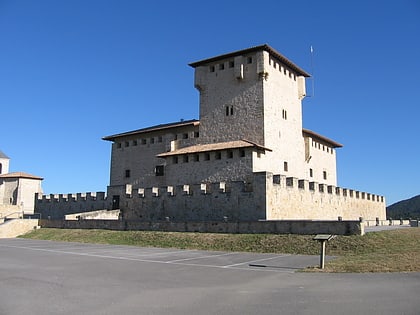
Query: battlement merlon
(87, 196)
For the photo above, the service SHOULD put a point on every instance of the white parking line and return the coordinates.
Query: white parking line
(152, 261)
(199, 257)
(253, 261)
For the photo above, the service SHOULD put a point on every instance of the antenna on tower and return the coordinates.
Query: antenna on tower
(312, 72)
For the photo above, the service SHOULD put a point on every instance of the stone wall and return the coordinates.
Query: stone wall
(17, 227)
(258, 227)
(56, 206)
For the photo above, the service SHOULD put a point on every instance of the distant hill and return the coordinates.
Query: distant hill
(405, 209)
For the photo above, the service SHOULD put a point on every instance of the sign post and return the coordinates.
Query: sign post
(323, 238)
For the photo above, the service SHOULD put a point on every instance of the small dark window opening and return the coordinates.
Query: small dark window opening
(175, 160)
(311, 172)
(230, 154)
(185, 158)
(218, 155)
(286, 167)
(159, 170)
(134, 142)
(211, 68)
(242, 153)
(143, 141)
(249, 60)
(152, 140)
(207, 156)
(325, 175)
(231, 64)
(119, 145)
(196, 157)
(196, 134)
(127, 144)
(185, 136)
(160, 139)
(127, 173)
(221, 66)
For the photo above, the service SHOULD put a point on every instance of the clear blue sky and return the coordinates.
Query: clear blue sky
(74, 71)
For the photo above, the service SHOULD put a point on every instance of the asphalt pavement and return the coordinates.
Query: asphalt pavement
(45, 277)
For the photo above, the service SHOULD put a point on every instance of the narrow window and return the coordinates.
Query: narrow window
(143, 141)
(227, 110)
(1, 168)
(231, 64)
(231, 110)
(196, 157)
(119, 145)
(211, 68)
(230, 154)
(175, 160)
(207, 156)
(196, 134)
(311, 172)
(159, 170)
(185, 136)
(222, 66)
(152, 140)
(185, 158)
(249, 60)
(285, 167)
(242, 153)
(218, 155)
(325, 174)
(127, 144)
(160, 139)
(134, 142)
(127, 173)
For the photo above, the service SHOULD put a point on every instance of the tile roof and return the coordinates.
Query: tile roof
(3, 156)
(20, 175)
(192, 122)
(315, 135)
(264, 47)
(214, 147)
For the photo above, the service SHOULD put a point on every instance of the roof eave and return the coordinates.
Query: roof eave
(265, 47)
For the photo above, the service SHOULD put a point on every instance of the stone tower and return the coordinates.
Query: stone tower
(254, 94)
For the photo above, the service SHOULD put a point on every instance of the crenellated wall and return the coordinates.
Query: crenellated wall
(56, 206)
(264, 197)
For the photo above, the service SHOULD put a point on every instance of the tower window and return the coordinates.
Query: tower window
(285, 167)
(159, 170)
(284, 114)
(229, 110)
(324, 174)
(127, 173)
(311, 172)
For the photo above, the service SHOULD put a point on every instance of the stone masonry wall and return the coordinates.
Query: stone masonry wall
(57, 206)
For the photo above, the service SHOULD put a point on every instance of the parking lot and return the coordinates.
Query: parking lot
(45, 277)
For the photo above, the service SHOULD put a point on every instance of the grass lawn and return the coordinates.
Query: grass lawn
(387, 251)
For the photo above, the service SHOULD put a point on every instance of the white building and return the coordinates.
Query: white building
(17, 189)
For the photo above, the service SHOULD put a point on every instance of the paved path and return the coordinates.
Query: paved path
(44, 277)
